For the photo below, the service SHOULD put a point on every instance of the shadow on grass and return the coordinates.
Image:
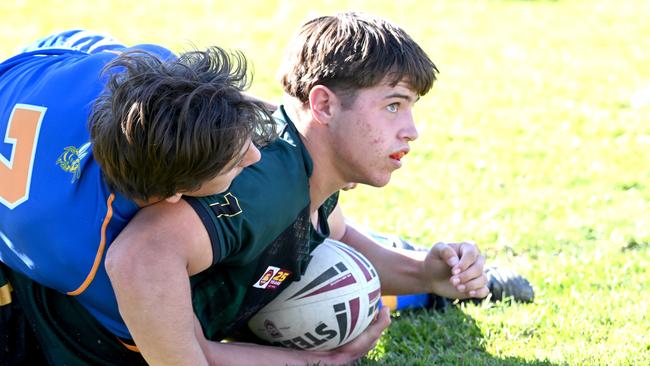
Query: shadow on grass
(427, 337)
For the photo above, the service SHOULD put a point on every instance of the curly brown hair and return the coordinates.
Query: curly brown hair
(351, 51)
(166, 126)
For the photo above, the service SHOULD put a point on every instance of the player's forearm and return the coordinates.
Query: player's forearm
(253, 354)
(400, 272)
(245, 354)
(163, 342)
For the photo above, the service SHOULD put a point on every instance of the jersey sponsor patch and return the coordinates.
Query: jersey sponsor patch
(272, 278)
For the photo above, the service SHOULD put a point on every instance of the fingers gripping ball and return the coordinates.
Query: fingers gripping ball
(334, 301)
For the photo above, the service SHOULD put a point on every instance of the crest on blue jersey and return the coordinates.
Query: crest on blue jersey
(70, 159)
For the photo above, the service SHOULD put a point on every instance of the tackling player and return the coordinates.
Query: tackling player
(93, 131)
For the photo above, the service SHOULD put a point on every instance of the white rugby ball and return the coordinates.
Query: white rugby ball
(334, 301)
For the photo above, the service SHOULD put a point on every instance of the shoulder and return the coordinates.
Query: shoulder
(161, 230)
(156, 50)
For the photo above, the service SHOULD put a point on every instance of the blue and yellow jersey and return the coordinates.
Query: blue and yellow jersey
(57, 216)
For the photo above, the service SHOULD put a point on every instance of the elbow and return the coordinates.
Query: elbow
(120, 263)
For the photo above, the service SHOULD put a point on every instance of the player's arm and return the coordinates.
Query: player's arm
(253, 354)
(149, 265)
(452, 270)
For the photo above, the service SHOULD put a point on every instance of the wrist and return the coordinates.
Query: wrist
(426, 282)
(331, 357)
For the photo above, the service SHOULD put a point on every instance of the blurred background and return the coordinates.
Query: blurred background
(534, 142)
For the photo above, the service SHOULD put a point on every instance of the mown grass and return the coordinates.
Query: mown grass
(529, 145)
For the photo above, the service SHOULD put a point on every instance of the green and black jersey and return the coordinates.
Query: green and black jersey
(261, 234)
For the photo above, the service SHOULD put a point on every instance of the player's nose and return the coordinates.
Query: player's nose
(409, 132)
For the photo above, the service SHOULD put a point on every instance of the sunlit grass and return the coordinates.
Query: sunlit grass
(529, 145)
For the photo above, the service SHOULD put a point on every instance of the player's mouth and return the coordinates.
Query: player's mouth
(399, 155)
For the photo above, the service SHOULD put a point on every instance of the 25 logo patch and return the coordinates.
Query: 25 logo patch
(272, 278)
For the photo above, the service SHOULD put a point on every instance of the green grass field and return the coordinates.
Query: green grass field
(529, 145)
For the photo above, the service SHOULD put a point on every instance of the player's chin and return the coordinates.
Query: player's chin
(383, 180)
(377, 180)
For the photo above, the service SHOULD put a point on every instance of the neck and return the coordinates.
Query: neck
(146, 203)
(325, 178)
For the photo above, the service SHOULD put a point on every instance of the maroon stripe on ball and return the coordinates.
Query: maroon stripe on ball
(356, 254)
(346, 280)
(355, 258)
(373, 296)
(322, 278)
(354, 313)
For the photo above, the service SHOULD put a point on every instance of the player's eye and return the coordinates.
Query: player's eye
(392, 107)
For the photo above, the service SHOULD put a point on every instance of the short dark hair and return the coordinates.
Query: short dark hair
(166, 126)
(351, 51)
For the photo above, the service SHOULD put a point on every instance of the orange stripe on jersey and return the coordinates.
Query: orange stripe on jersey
(130, 347)
(100, 250)
(389, 302)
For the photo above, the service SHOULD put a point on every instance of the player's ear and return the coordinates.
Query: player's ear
(323, 103)
(175, 198)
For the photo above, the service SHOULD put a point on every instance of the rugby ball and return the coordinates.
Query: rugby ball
(334, 301)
